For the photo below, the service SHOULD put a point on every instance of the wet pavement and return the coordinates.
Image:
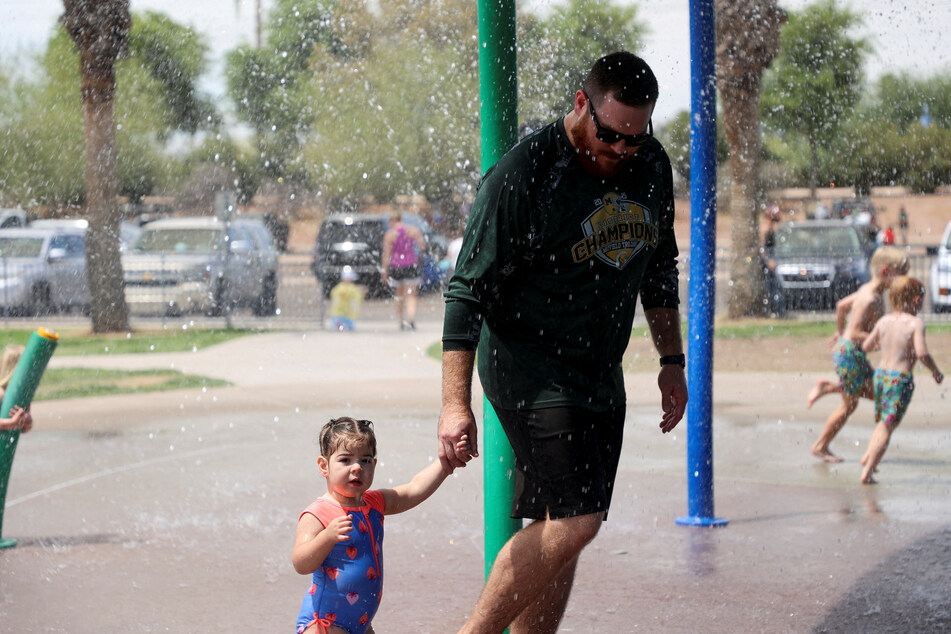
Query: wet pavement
(176, 511)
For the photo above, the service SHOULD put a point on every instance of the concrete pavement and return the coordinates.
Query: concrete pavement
(176, 511)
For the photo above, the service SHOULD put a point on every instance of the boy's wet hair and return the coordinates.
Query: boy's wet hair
(346, 432)
(903, 292)
(892, 257)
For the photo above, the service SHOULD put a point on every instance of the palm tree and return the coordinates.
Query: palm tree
(100, 29)
(747, 42)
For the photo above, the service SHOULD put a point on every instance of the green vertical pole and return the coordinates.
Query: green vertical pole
(20, 391)
(498, 91)
(498, 485)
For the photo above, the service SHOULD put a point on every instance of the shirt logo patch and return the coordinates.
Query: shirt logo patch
(615, 231)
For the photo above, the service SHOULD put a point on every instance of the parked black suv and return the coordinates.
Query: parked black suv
(818, 262)
(355, 241)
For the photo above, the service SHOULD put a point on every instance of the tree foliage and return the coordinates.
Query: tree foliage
(556, 53)
(384, 102)
(41, 143)
(816, 81)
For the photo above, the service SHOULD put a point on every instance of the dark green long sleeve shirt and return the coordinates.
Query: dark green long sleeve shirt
(550, 268)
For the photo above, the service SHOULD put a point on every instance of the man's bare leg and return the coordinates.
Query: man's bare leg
(526, 566)
(544, 615)
(821, 388)
(836, 420)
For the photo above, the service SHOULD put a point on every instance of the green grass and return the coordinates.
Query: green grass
(83, 382)
(80, 343)
(760, 329)
(60, 383)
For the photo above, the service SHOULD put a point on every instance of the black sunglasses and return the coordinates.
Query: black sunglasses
(609, 136)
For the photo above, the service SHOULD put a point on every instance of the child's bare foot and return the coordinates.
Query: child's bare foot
(820, 389)
(826, 455)
(868, 479)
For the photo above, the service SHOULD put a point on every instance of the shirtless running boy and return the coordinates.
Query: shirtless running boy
(901, 337)
(863, 308)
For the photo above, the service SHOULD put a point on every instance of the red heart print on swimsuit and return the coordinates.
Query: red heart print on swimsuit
(352, 552)
(364, 619)
(332, 572)
(352, 597)
(362, 527)
(371, 573)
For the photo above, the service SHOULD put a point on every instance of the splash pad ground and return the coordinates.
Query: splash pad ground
(176, 511)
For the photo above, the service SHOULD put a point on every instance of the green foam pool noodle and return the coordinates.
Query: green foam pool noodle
(20, 391)
(29, 371)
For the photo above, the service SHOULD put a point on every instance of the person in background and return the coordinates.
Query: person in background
(402, 244)
(20, 419)
(903, 225)
(346, 297)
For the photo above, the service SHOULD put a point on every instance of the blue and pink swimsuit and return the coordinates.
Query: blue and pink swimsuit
(346, 590)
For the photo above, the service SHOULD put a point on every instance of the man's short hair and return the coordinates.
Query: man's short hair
(625, 76)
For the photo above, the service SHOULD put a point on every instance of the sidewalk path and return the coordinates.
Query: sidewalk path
(176, 511)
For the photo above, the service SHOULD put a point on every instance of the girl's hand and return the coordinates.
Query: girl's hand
(462, 448)
(21, 418)
(340, 528)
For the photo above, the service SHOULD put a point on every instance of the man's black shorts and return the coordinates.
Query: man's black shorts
(566, 459)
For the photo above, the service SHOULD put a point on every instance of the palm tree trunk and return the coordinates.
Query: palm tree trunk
(741, 124)
(100, 29)
(107, 305)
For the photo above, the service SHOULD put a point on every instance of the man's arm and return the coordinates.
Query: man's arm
(456, 418)
(664, 325)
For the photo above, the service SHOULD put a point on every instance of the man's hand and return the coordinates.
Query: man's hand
(673, 394)
(458, 438)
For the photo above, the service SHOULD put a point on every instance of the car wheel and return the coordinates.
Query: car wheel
(266, 304)
(217, 307)
(41, 302)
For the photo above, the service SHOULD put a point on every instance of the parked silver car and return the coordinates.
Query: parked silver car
(182, 265)
(42, 270)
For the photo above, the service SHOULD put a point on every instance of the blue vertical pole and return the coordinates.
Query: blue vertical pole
(703, 191)
(498, 91)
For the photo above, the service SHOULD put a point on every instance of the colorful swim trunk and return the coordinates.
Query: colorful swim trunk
(852, 367)
(893, 390)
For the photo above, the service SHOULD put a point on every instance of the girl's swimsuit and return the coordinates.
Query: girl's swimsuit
(893, 390)
(347, 588)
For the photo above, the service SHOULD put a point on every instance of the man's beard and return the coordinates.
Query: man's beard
(601, 162)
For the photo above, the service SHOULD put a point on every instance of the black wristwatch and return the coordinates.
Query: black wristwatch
(674, 359)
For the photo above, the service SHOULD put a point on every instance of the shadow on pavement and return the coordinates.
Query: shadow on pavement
(907, 592)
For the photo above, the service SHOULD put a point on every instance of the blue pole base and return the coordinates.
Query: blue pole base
(7, 543)
(693, 520)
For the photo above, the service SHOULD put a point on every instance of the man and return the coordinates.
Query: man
(565, 230)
